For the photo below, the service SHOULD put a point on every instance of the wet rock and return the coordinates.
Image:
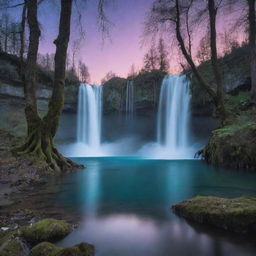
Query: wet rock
(235, 215)
(49, 230)
(12, 245)
(233, 146)
(45, 248)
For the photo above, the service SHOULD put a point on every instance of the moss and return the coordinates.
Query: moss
(45, 248)
(236, 215)
(234, 144)
(49, 230)
(237, 103)
(13, 246)
(6, 235)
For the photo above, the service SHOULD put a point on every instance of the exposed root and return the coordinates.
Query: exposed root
(41, 146)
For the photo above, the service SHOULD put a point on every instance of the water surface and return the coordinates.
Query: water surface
(124, 207)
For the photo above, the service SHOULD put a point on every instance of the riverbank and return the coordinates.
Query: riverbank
(234, 144)
(26, 187)
(38, 238)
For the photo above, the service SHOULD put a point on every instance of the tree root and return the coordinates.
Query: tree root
(41, 146)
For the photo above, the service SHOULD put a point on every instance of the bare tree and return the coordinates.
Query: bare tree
(84, 72)
(42, 131)
(173, 13)
(204, 53)
(162, 56)
(151, 60)
(132, 72)
(108, 76)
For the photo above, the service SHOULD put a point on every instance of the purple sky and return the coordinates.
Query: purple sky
(118, 53)
(124, 47)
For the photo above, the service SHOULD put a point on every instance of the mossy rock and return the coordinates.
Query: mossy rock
(235, 215)
(14, 246)
(49, 230)
(45, 248)
(233, 145)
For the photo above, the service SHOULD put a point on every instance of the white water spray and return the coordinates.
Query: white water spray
(174, 114)
(89, 115)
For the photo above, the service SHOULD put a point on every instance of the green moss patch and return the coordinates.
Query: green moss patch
(236, 215)
(44, 248)
(234, 145)
(49, 249)
(49, 230)
(14, 246)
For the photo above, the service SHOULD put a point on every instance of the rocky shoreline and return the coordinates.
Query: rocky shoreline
(38, 238)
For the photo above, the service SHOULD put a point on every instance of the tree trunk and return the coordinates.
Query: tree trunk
(42, 131)
(252, 38)
(30, 69)
(218, 102)
(214, 59)
(22, 33)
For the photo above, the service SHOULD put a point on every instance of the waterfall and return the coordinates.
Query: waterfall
(89, 115)
(173, 114)
(129, 104)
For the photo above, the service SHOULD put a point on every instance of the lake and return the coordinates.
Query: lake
(123, 205)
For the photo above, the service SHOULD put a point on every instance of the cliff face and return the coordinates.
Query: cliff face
(12, 95)
(235, 69)
(11, 84)
(146, 93)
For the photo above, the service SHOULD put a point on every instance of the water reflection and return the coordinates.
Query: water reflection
(124, 205)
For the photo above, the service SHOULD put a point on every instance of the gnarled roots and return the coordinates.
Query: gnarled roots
(40, 144)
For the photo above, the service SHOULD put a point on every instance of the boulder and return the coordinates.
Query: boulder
(49, 230)
(45, 248)
(235, 215)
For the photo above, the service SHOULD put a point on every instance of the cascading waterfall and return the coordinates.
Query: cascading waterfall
(89, 115)
(173, 114)
(129, 104)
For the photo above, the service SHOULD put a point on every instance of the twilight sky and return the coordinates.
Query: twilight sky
(124, 47)
(118, 53)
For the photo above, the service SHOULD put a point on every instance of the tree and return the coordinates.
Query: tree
(150, 60)
(229, 42)
(84, 72)
(108, 76)
(173, 13)
(162, 56)
(132, 72)
(252, 43)
(41, 131)
(203, 53)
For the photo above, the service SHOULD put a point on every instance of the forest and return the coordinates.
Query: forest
(127, 127)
